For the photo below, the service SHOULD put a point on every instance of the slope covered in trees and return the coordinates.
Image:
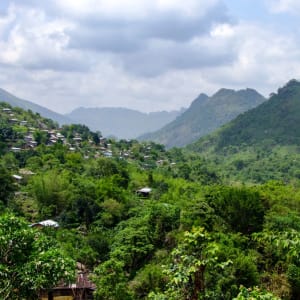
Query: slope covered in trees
(261, 144)
(205, 115)
(190, 237)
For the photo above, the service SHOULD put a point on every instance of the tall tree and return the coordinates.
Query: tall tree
(7, 186)
(29, 260)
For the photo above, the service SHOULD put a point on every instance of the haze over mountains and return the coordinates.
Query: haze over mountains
(175, 128)
(205, 115)
(118, 122)
(122, 122)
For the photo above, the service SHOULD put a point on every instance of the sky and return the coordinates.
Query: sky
(149, 55)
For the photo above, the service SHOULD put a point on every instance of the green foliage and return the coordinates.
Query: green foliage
(112, 212)
(52, 192)
(111, 281)
(191, 259)
(29, 260)
(132, 243)
(241, 208)
(41, 137)
(150, 278)
(246, 272)
(7, 186)
(293, 274)
(255, 293)
(238, 234)
(261, 144)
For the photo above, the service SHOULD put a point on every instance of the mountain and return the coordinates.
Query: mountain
(121, 122)
(205, 115)
(25, 104)
(260, 144)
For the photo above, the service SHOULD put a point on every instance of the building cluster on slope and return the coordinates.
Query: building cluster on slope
(31, 132)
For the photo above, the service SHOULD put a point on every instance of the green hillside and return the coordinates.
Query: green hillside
(205, 115)
(140, 222)
(260, 144)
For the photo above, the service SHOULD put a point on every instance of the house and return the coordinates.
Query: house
(77, 139)
(17, 177)
(144, 192)
(46, 223)
(23, 123)
(28, 138)
(108, 153)
(15, 149)
(81, 289)
(13, 121)
(26, 172)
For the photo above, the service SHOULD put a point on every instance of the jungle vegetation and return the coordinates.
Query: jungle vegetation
(203, 232)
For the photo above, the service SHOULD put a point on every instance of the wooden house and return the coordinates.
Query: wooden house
(82, 289)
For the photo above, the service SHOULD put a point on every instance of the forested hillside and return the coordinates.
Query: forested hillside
(261, 144)
(147, 223)
(205, 115)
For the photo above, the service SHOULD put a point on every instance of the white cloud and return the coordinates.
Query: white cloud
(281, 6)
(222, 31)
(142, 54)
(136, 9)
(265, 60)
(33, 41)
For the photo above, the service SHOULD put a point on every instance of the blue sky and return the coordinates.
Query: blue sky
(142, 54)
(259, 11)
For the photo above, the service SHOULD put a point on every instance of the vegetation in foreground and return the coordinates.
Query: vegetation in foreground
(192, 237)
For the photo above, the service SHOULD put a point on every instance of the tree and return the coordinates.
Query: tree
(191, 259)
(242, 208)
(255, 293)
(111, 281)
(52, 191)
(29, 261)
(7, 186)
(41, 137)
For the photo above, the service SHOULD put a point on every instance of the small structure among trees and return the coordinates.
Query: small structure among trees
(30, 261)
(82, 289)
(144, 192)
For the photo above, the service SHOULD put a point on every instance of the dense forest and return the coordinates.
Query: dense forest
(148, 223)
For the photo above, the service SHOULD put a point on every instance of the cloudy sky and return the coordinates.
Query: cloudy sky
(148, 55)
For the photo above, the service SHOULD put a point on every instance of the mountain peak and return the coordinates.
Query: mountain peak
(223, 92)
(204, 116)
(199, 100)
(275, 122)
(290, 87)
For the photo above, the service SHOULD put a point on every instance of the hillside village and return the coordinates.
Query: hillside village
(90, 217)
(30, 130)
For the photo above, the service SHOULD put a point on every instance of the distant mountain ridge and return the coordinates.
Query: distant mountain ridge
(261, 144)
(205, 115)
(121, 122)
(25, 104)
(274, 122)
